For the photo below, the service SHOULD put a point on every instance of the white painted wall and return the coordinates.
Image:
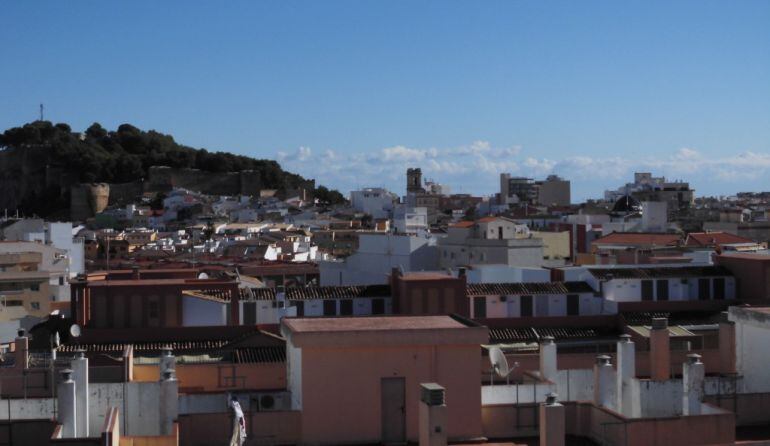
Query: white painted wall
(509, 306)
(294, 374)
(377, 255)
(198, 312)
(752, 339)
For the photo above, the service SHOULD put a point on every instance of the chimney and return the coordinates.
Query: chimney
(552, 424)
(168, 406)
(603, 382)
(167, 360)
(80, 376)
(693, 373)
(727, 356)
(135, 274)
(128, 363)
(548, 359)
(660, 352)
(626, 351)
(21, 353)
(66, 404)
(433, 416)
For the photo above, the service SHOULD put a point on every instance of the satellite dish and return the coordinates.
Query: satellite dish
(75, 330)
(203, 276)
(499, 362)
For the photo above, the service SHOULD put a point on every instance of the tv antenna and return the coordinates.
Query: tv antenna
(41, 111)
(500, 365)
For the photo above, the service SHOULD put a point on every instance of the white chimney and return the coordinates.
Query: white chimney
(168, 401)
(548, 359)
(604, 382)
(693, 373)
(433, 416)
(626, 373)
(66, 404)
(552, 422)
(80, 376)
(167, 360)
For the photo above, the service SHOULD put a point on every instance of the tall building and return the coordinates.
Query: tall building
(553, 191)
(645, 187)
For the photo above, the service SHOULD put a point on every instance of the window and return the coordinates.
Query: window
(662, 289)
(153, 310)
(378, 306)
(719, 288)
(704, 289)
(35, 287)
(330, 308)
(480, 307)
(61, 280)
(573, 305)
(646, 289)
(13, 303)
(525, 304)
(300, 307)
(346, 307)
(249, 313)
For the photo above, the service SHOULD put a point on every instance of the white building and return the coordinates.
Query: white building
(375, 201)
(548, 299)
(490, 240)
(410, 220)
(637, 283)
(377, 255)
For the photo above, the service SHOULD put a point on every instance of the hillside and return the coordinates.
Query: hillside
(40, 161)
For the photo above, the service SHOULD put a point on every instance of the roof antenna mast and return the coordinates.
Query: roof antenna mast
(41, 111)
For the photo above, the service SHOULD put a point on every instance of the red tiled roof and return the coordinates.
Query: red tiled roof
(713, 239)
(376, 323)
(338, 292)
(638, 238)
(462, 224)
(516, 288)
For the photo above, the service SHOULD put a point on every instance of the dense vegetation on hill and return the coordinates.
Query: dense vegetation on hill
(125, 155)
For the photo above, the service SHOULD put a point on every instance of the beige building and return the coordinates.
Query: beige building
(556, 245)
(32, 275)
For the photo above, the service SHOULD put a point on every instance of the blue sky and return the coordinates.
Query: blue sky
(351, 93)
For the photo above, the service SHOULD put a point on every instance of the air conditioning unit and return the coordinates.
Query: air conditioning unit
(270, 401)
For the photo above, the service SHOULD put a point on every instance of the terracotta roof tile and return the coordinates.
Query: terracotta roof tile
(639, 239)
(517, 288)
(713, 239)
(657, 272)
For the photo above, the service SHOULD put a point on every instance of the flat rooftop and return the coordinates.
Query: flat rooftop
(426, 276)
(379, 331)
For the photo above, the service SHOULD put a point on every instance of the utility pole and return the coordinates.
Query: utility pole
(41, 111)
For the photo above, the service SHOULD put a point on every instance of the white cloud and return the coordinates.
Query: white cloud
(476, 167)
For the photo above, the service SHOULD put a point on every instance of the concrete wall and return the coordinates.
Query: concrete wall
(753, 351)
(362, 306)
(198, 312)
(544, 305)
(261, 428)
(219, 377)
(630, 290)
(659, 398)
(341, 382)
(377, 255)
